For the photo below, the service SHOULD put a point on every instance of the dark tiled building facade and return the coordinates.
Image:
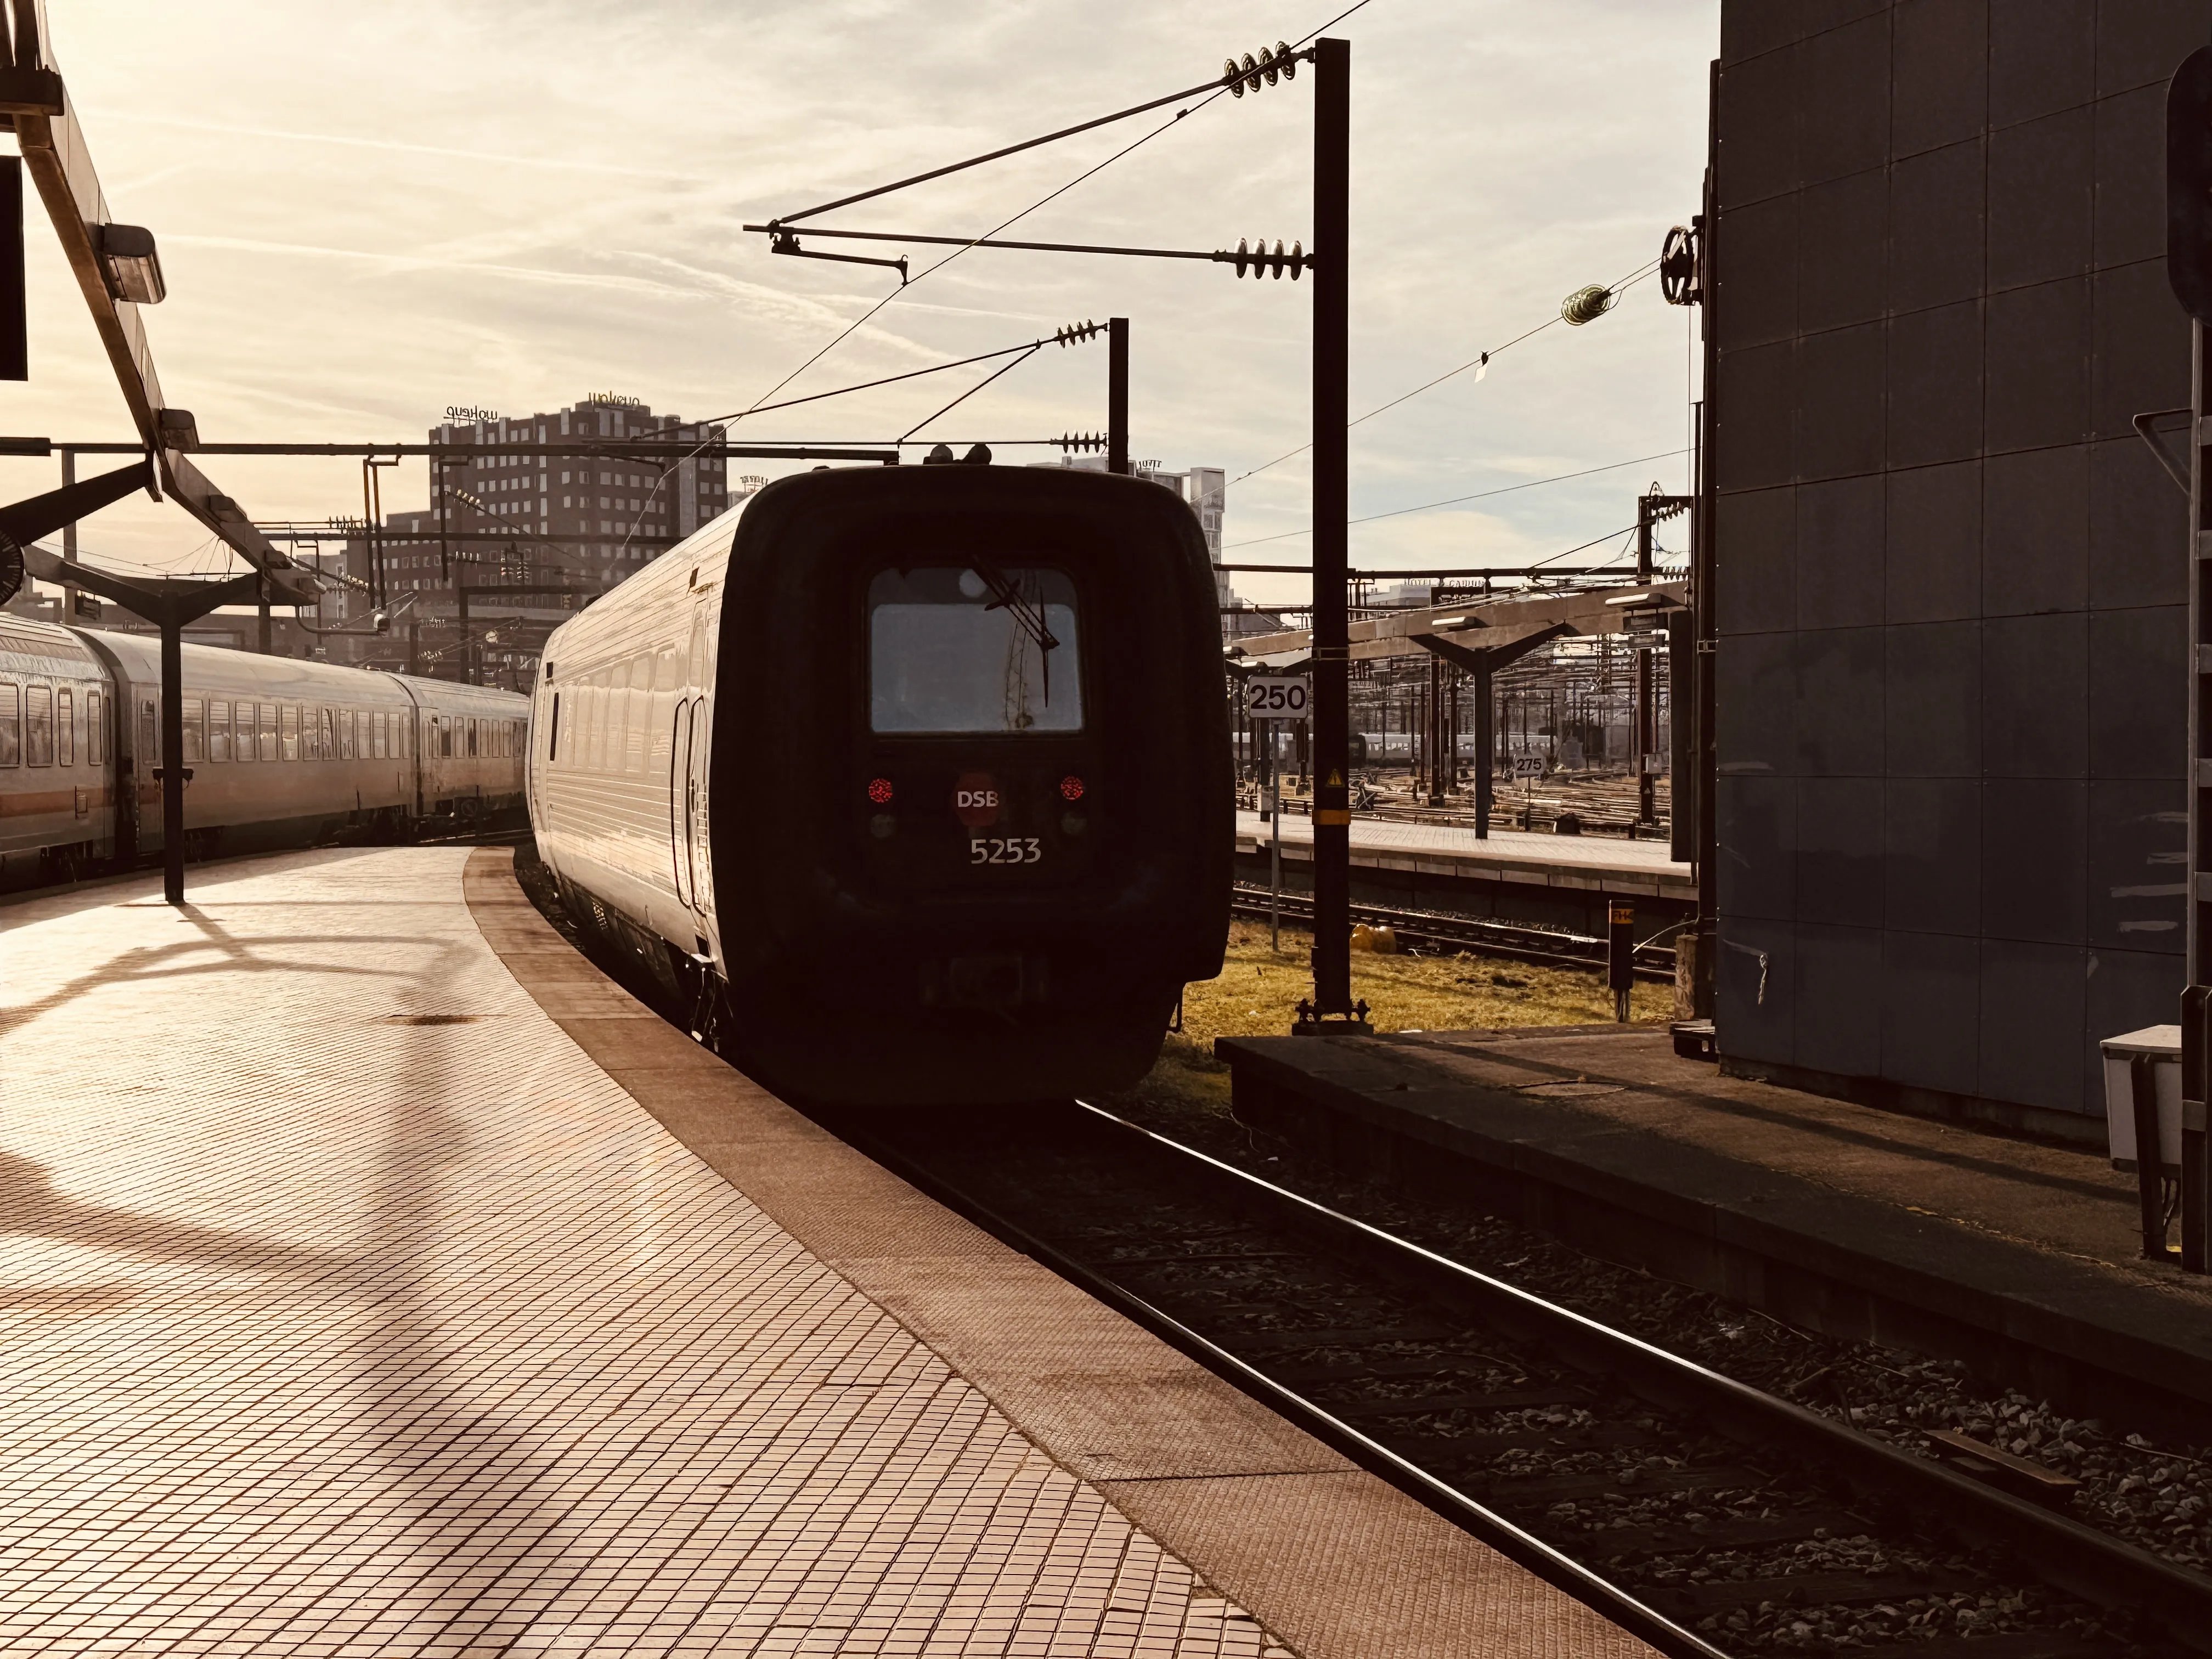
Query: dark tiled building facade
(1951, 580)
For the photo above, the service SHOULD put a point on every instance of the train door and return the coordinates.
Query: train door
(695, 877)
(687, 804)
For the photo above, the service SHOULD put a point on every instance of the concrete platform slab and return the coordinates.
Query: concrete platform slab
(1607, 863)
(356, 1308)
(2022, 1258)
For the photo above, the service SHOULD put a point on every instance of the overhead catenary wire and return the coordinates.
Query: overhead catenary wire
(1220, 90)
(1481, 495)
(1481, 362)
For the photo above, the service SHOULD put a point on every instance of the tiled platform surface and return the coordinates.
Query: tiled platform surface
(352, 1309)
(1607, 864)
(1802, 1204)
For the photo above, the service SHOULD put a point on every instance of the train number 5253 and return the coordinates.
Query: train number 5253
(1004, 849)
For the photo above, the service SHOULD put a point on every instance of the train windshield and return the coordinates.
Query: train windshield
(985, 649)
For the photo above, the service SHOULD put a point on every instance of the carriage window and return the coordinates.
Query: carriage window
(376, 735)
(944, 655)
(327, 735)
(195, 730)
(11, 725)
(149, 732)
(95, 730)
(347, 750)
(553, 731)
(218, 728)
(38, 726)
(473, 737)
(289, 724)
(66, 725)
(270, 747)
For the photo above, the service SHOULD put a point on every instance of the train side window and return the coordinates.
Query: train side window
(288, 724)
(360, 734)
(376, 735)
(195, 730)
(326, 734)
(150, 733)
(11, 725)
(345, 734)
(96, 729)
(218, 731)
(553, 732)
(38, 726)
(269, 746)
(473, 737)
(66, 725)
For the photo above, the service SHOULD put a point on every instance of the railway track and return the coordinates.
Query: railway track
(1703, 1515)
(1442, 930)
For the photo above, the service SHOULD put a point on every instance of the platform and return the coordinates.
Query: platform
(382, 1280)
(1575, 864)
(2018, 1257)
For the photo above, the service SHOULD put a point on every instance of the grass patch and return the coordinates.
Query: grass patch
(1258, 992)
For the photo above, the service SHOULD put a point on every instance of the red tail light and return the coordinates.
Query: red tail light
(879, 791)
(1071, 788)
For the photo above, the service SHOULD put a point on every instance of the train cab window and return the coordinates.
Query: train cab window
(947, 654)
(65, 725)
(38, 726)
(289, 724)
(218, 731)
(11, 725)
(96, 729)
(195, 730)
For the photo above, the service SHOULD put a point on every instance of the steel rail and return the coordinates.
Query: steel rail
(1517, 1544)
(2077, 1557)
(1509, 941)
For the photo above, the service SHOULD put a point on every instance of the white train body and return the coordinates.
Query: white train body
(279, 750)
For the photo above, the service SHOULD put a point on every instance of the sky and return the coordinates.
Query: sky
(365, 214)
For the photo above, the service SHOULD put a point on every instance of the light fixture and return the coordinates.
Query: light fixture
(132, 267)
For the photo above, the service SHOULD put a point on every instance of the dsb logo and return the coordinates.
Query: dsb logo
(976, 800)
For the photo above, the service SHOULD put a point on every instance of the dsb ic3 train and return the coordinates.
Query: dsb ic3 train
(914, 781)
(278, 751)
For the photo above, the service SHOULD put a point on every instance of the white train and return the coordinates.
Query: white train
(279, 752)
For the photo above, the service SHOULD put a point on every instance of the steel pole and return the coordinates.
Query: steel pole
(69, 541)
(1275, 840)
(1647, 724)
(1332, 348)
(1117, 394)
(172, 771)
(2196, 998)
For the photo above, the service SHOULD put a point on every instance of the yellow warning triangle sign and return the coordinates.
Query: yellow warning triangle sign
(1335, 780)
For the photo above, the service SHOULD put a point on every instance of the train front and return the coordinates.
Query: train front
(971, 803)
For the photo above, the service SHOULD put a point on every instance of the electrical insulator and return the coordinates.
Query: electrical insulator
(1075, 333)
(1587, 304)
(1253, 72)
(1262, 262)
(1082, 441)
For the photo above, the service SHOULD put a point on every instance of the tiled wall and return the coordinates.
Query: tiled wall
(1951, 580)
